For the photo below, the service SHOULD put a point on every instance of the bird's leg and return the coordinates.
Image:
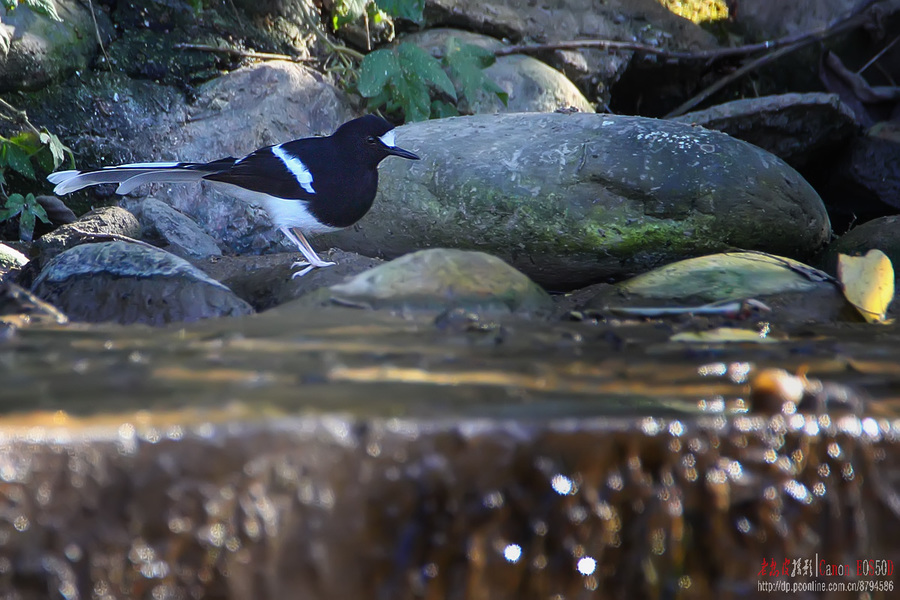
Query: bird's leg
(313, 260)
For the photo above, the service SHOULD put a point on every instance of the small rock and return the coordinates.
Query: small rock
(721, 277)
(133, 283)
(174, 231)
(89, 228)
(795, 293)
(437, 280)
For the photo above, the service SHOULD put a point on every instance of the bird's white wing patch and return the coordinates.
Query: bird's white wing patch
(388, 139)
(296, 166)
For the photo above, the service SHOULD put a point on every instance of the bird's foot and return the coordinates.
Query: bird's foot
(308, 266)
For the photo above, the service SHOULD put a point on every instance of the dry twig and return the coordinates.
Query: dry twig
(242, 53)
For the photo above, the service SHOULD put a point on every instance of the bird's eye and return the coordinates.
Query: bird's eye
(371, 140)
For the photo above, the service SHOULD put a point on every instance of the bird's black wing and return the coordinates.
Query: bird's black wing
(263, 171)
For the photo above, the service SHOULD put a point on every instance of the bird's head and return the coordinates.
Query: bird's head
(372, 137)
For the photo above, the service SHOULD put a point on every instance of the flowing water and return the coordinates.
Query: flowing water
(367, 455)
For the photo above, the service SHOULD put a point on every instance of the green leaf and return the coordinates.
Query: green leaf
(27, 141)
(18, 160)
(427, 67)
(35, 208)
(405, 9)
(14, 205)
(376, 70)
(43, 7)
(413, 95)
(466, 62)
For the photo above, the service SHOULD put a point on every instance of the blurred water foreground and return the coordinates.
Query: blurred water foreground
(390, 458)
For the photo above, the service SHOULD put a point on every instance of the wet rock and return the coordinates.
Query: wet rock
(797, 128)
(94, 225)
(438, 279)
(133, 283)
(11, 260)
(882, 234)
(790, 291)
(173, 231)
(721, 277)
(265, 281)
(574, 199)
(532, 85)
(36, 49)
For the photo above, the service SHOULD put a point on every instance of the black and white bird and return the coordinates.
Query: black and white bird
(307, 186)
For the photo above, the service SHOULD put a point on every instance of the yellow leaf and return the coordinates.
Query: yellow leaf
(723, 334)
(868, 283)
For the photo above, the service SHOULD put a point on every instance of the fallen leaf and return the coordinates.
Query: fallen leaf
(723, 334)
(868, 283)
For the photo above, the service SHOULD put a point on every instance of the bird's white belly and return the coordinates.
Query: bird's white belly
(284, 213)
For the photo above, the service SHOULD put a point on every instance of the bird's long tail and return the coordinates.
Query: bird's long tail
(132, 175)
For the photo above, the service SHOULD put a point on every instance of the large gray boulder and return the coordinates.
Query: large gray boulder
(572, 199)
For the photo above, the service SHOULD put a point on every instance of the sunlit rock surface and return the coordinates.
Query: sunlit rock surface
(132, 283)
(575, 199)
(11, 261)
(437, 280)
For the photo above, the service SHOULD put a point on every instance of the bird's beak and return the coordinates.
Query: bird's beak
(388, 140)
(402, 153)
